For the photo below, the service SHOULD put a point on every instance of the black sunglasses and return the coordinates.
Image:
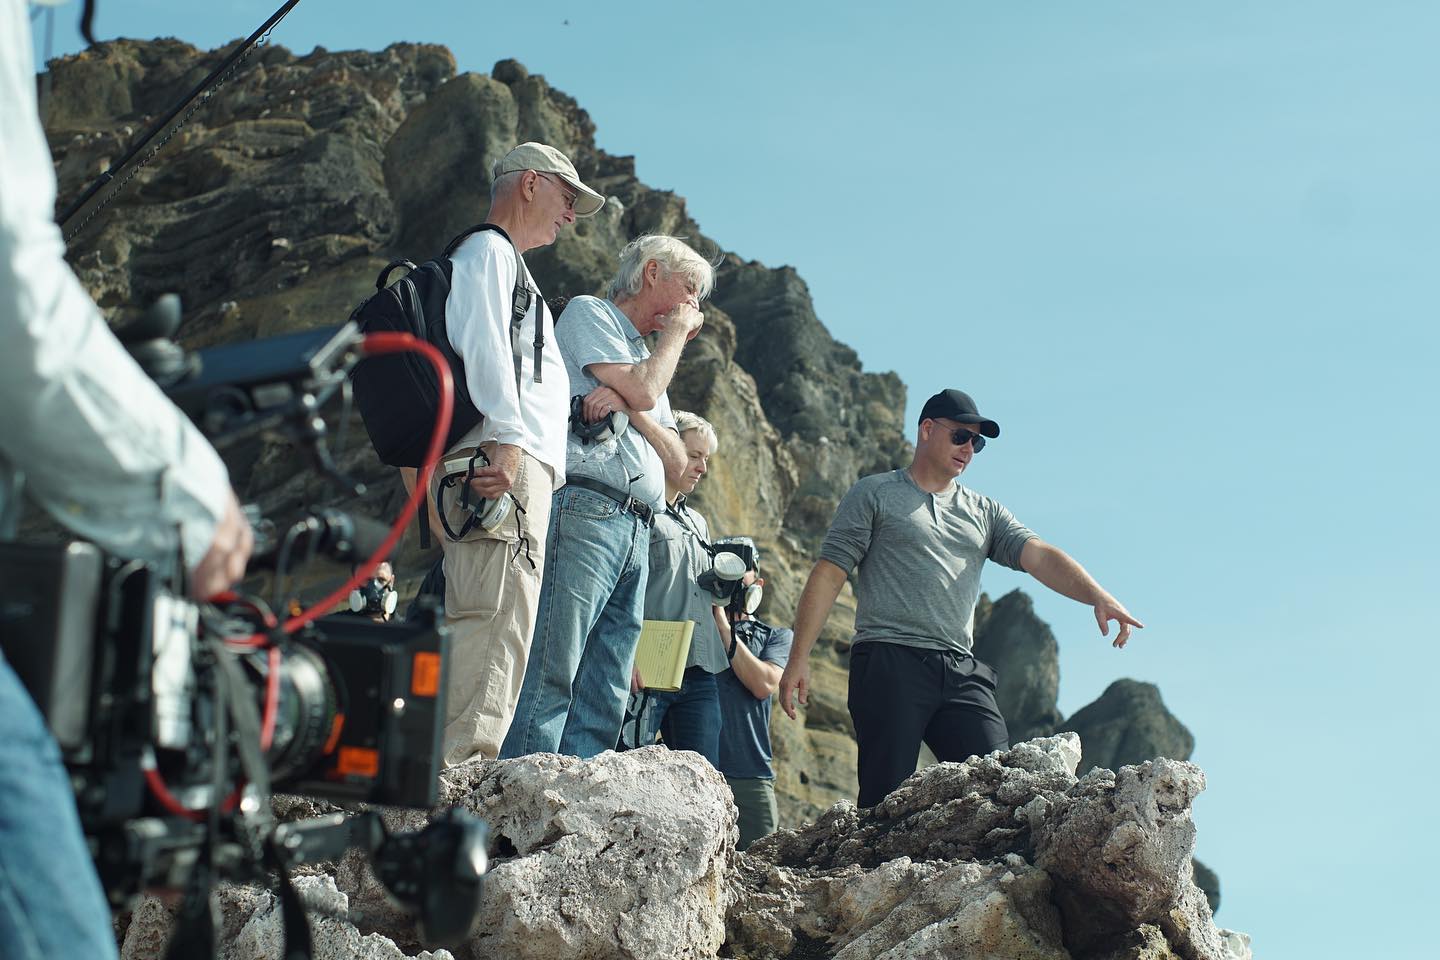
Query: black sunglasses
(960, 437)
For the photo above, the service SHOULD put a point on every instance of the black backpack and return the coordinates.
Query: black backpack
(398, 394)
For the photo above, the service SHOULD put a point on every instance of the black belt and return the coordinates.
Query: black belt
(627, 503)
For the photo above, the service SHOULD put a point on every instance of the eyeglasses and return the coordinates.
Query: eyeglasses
(569, 196)
(960, 437)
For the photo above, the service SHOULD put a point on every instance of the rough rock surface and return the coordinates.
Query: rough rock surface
(901, 908)
(622, 856)
(632, 856)
(1119, 847)
(949, 811)
(1032, 862)
(251, 927)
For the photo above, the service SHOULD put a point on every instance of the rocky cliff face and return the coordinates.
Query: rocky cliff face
(276, 205)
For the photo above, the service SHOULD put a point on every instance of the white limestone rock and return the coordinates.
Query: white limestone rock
(902, 909)
(1119, 846)
(333, 936)
(622, 856)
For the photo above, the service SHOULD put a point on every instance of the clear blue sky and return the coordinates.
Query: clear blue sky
(1185, 253)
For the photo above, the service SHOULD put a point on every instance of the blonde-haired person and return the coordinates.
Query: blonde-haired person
(680, 554)
(597, 563)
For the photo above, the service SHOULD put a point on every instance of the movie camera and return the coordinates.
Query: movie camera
(176, 718)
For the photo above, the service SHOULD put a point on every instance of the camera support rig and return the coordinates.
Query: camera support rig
(174, 717)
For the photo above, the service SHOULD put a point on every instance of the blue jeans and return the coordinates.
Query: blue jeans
(591, 600)
(51, 904)
(689, 718)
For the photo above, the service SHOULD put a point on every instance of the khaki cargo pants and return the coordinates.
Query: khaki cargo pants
(491, 600)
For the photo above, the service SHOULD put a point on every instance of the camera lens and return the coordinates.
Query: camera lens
(305, 712)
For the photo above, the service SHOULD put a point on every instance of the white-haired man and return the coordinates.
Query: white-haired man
(596, 565)
(492, 581)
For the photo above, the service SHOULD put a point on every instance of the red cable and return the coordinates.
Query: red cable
(172, 803)
(377, 343)
(374, 343)
(272, 699)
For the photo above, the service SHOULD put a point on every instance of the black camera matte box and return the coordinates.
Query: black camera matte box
(49, 603)
(390, 683)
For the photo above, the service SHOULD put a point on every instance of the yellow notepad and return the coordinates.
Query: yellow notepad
(664, 647)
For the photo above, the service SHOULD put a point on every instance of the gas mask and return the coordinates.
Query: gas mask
(375, 597)
(732, 558)
(485, 514)
(746, 600)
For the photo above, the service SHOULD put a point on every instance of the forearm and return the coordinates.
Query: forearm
(821, 589)
(666, 443)
(653, 374)
(761, 677)
(1060, 572)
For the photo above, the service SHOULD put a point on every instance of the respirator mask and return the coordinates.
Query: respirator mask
(375, 597)
(480, 513)
(731, 558)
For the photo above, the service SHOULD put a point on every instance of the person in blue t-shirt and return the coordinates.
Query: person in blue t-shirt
(758, 653)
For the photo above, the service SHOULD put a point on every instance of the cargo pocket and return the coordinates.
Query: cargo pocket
(499, 519)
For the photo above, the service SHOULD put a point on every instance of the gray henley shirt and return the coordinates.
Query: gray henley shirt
(919, 556)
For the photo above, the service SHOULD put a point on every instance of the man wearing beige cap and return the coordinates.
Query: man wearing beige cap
(493, 487)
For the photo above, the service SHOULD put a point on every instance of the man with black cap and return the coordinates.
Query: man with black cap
(919, 539)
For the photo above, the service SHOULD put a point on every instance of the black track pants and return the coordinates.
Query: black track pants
(902, 695)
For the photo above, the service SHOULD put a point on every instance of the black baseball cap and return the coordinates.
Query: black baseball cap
(956, 405)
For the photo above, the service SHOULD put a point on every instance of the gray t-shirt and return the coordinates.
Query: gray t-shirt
(671, 592)
(920, 556)
(745, 720)
(592, 330)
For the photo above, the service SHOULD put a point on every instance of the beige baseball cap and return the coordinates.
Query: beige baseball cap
(543, 158)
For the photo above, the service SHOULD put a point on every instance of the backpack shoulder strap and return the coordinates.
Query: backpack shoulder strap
(454, 244)
(520, 300)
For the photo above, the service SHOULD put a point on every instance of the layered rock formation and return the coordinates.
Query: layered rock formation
(276, 205)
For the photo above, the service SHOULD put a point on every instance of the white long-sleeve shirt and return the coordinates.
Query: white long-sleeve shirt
(101, 447)
(477, 317)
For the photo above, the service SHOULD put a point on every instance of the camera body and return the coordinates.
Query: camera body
(175, 719)
(113, 662)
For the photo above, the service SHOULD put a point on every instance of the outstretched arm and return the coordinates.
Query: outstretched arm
(1059, 571)
(819, 595)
